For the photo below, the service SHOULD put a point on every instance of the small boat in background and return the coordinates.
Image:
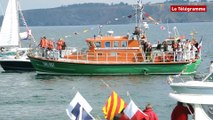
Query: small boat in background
(16, 61)
(12, 56)
(119, 55)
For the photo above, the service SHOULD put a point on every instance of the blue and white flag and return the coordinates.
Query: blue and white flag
(25, 35)
(79, 108)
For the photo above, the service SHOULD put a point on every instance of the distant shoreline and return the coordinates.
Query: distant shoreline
(105, 14)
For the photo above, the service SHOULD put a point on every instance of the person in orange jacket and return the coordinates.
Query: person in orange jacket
(43, 45)
(60, 44)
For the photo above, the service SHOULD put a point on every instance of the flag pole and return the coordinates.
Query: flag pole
(107, 85)
(128, 95)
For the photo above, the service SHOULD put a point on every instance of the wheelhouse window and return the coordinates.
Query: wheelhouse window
(116, 44)
(107, 44)
(124, 44)
(98, 44)
(100, 54)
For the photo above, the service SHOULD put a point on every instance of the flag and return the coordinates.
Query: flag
(146, 14)
(25, 35)
(79, 108)
(113, 106)
(200, 43)
(129, 16)
(162, 27)
(150, 18)
(133, 112)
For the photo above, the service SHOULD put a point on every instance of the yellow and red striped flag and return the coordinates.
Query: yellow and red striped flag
(114, 105)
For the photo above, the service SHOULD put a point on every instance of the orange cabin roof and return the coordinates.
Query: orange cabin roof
(107, 38)
(111, 41)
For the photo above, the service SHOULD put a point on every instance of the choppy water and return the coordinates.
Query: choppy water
(27, 96)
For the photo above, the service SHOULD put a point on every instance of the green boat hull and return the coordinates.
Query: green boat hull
(44, 66)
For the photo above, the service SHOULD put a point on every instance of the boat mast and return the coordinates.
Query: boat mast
(31, 37)
(17, 12)
(139, 20)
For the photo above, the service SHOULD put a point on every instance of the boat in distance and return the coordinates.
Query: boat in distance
(120, 55)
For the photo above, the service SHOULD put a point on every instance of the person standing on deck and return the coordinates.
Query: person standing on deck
(59, 45)
(186, 49)
(43, 46)
(179, 51)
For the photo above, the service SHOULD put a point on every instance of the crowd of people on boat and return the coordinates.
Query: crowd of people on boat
(178, 50)
(49, 46)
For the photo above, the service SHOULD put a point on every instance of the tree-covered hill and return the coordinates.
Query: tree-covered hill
(100, 13)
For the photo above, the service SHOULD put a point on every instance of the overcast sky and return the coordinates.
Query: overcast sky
(35, 4)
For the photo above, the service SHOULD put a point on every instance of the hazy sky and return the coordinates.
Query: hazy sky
(34, 4)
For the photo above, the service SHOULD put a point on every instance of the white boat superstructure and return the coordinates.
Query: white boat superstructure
(193, 87)
(202, 104)
(197, 93)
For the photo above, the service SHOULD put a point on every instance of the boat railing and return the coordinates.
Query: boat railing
(77, 54)
(179, 78)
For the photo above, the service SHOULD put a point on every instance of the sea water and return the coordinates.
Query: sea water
(28, 96)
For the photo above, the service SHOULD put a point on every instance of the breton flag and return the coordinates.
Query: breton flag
(133, 112)
(79, 109)
(113, 106)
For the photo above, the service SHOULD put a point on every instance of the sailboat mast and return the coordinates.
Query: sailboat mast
(18, 25)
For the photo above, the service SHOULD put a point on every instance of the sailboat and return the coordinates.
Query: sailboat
(12, 56)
